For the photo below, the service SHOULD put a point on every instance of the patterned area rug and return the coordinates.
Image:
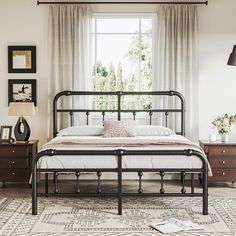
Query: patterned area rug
(98, 216)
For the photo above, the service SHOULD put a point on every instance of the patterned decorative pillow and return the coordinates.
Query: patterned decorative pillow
(119, 128)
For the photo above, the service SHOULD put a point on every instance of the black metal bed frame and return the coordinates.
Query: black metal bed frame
(120, 154)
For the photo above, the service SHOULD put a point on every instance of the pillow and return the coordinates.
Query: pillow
(82, 130)
(119, 128)
(152, 130)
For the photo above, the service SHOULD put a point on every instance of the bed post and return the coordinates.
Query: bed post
(34, 186)
(48, 152)
(119, 154)
(205, 190)
(205, 178)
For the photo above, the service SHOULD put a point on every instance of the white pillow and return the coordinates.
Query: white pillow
(119, 128)
(152, 130)
(82, 130)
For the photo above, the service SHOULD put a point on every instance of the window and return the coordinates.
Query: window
(122, 59)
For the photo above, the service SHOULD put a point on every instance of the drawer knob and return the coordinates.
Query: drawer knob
(223, 173)
(223, 162)
(13, 150)
(223, 151)
(13, 173)
(13, 162)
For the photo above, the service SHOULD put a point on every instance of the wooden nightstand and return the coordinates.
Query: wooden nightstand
(222, 158)
(16, 159)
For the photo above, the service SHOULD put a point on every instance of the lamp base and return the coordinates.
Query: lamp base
(22, 130)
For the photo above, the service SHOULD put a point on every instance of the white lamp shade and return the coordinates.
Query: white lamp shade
(21, 109)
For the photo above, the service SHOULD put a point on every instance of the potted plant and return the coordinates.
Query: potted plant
(223, 125)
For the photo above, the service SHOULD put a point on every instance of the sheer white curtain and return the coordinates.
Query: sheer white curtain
(70, 56)
(177, 60)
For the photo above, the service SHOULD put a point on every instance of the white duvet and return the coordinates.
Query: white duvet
(171, 142)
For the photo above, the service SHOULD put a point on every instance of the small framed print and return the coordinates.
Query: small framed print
(21, 59)
(5, 133)
(20, 90)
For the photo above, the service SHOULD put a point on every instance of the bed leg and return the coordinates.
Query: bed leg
(205, 192)
(56, 190)
(119, 184)
(46, 182)
(34, 189)
(192, 183)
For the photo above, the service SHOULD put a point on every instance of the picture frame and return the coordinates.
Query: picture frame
(21, 59)
(22, 90)
(5, 133)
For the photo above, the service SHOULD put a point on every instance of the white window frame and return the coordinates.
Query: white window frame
(154, 44)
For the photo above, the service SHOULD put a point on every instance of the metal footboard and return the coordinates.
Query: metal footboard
(121, 153)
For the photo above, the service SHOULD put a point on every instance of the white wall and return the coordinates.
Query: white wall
(217, 24)
(25, 23)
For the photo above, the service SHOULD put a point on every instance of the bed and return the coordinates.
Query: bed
(91, 152)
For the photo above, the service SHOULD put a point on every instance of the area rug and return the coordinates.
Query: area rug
(98, 216)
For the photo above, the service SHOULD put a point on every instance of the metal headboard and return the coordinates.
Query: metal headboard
(119, 94)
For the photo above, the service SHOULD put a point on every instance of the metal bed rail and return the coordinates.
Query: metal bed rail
(121, 153)
(119, 94)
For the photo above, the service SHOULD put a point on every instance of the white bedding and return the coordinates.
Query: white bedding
(128, 161)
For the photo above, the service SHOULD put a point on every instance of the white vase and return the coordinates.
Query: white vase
(224, 137)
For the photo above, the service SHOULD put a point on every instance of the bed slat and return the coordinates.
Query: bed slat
(87, 117)
(166, 116)
(140, 174)
(150, 117)
(77, 173)
(162, 174)
(134, 115)
(183, 174)
(71, 118)
(103, 115)
(99, 189)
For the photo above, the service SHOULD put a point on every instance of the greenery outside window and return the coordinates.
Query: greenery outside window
(122, 59)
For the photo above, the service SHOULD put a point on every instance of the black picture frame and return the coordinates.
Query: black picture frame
(21, 59)
(5, 133)
(22, 90)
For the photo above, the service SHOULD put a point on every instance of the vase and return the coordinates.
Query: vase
(224, 137)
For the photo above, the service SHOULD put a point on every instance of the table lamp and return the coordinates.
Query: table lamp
(21, 109)
(232, 57)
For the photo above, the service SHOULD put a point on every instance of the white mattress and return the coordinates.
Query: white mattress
(145, 161)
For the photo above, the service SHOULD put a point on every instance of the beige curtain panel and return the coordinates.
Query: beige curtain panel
(177, 60)
(70, 56)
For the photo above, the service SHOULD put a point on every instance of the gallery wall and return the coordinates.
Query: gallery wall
(25, 23)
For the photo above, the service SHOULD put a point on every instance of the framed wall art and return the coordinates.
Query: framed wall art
(22, 90)
(21, 59)
(5, 133)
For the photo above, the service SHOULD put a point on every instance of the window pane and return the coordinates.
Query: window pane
(123, 62)
(113, 51)
(146, 63)
(146, 25)
(93, 24)
(146, 71)
(117, 25)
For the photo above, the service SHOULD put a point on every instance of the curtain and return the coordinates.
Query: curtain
(70, 56)
(177, 61)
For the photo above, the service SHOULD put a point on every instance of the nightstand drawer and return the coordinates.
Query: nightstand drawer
(222, 151)
(220, 162)
(16, 151)
(14, 174)
(15, 162)
(224, 173)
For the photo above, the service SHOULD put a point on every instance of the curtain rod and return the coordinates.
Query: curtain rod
(199, 3)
